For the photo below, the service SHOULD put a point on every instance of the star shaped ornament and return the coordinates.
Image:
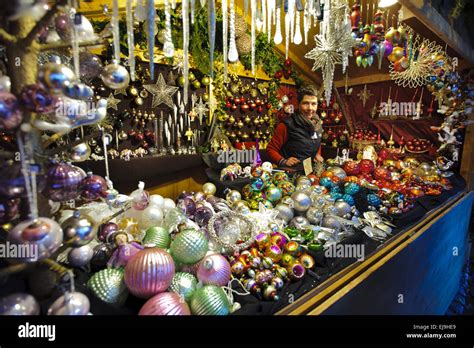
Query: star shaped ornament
(112, 102)
(121, 91)
(365, 95)
(162, 93)
(201, 109)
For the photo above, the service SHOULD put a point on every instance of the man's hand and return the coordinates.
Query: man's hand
(319, 158)
(290, 162)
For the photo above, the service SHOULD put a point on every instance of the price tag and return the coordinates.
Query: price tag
(308, 166)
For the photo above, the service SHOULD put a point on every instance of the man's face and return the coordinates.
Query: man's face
(308, 106)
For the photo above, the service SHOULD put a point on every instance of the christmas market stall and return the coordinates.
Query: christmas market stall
(163, 157)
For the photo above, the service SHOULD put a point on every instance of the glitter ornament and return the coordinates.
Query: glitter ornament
(184, 284)
(108, 285)
(210, 300)
(189, 246)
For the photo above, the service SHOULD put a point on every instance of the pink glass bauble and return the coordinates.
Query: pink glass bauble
(166, 303)
(149, 272)
(214, 270)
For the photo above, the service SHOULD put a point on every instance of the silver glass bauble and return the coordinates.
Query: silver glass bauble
(115, 76)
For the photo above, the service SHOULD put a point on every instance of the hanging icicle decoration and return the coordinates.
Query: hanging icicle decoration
(253, 10)
(287, 33)
(211, 25)
(297, 38)
(75, 42)
(168, 47)
(115, 30)
(233, 55)
(224, 36)
(151, 35)
(185, 14)
(291, 11)
(264, 16)
(278, 37)
(270, 18)
(246, 8)
(130, 39)
(193, 10)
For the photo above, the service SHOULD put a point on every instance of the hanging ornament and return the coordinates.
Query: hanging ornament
(63, 182)
(211, 24)
(167, 303)
(149, 272)
(115, 76)
(93, 187)
(365, 95)
(36, 99)
(43, 234)
(80, 152)
(225, 28)
(233, 53)
(140, 197)
(130, 38)
(108, 285)
(253, 33)
(168, 47)
(185, 14)
(55, 76)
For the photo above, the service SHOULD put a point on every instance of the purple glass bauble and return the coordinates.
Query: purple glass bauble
(9, 209)
(106, 230)
(63, 26)
(63, 182)
(10, 114)
(185, 194)
(202, 215)
(37, 99)
(91, 66)
(187, 206)
(93, 187)
(43, 237)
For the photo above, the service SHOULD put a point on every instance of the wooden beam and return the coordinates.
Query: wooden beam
(363, 80)
(438, 25)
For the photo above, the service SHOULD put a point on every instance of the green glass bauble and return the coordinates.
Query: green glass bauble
(157, 237)
(109, 285)
(189, 247)
(210, 300)
(184, 284)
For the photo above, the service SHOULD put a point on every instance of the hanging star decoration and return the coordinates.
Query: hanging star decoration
(162, 93)
(333, 46)
(264, 216)
(201, 109)
(112, 102)
(365, 95)
(325, 57)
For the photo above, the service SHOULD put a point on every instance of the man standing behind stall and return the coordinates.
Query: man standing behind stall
(298, 137)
